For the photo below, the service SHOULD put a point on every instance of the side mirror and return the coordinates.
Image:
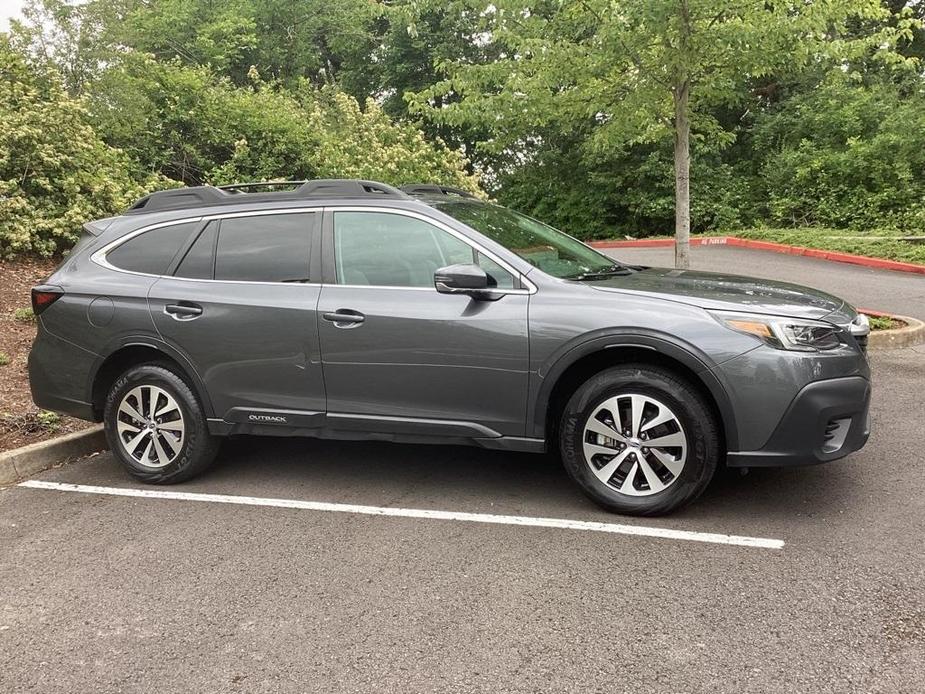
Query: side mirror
(461, 279)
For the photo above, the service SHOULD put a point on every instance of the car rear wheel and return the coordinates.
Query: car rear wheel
(156, 427)
(639, 440)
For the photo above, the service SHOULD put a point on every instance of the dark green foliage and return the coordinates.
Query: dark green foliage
(844, 155)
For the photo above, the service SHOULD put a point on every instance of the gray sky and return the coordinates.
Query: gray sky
(9, 8)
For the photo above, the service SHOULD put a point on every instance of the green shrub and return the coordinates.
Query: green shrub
(4, 359)
(55, 172)
(145, 125)
(880, 322)
(24, 315)
(194, 127)
(845, 155)
(50, 421)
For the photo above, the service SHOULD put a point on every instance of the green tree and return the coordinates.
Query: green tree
(319, 40)
(641, 71)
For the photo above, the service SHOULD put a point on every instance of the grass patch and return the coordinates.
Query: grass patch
(875, 243)
(880, 322)
(884, 323)
(4, 359)
(24, 315)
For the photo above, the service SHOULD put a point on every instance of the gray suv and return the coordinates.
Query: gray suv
(353, 310)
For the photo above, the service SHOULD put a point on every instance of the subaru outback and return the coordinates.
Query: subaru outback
(350, 309)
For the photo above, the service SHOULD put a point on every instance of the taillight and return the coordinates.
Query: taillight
(44, 296)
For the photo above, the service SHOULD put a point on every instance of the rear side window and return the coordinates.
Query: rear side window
(198, 261)
(153, 251)
(265, 248)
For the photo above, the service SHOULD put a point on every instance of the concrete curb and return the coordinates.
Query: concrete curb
(21, 463)
(835, 256)
(897, 338)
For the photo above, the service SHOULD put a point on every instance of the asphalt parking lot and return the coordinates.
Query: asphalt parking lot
(133, 594)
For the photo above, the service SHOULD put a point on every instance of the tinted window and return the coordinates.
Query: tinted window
(152, 251)
(197, 263)
(497, 276)
(390, 250)
(540, 245)
(267, 248)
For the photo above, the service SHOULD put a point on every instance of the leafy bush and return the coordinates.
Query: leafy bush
(55, 172)
(882, 323)
(845, 155)
(190, 126)
(145, 125)
(50, 421)
(24, 315)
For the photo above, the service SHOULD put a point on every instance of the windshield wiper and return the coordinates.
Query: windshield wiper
(611, 271)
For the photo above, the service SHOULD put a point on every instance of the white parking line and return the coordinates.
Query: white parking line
(560, 523)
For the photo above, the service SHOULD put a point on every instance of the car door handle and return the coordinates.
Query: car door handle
(184, 311)
(344, 318)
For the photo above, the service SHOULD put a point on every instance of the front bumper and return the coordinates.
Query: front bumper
(827, 420)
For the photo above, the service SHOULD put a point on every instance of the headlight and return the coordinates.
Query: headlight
(802, 335)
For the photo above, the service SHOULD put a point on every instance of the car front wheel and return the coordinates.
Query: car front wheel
(639, 440)
(156, 427)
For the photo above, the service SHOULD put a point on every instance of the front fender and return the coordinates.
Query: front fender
(667, 346)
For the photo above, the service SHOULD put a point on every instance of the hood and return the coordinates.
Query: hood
(731, 293)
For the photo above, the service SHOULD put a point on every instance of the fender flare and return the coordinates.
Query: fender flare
(159, 345)
(701, 365)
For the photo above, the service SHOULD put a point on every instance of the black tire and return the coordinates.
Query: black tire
(692, 411)
(198, 448)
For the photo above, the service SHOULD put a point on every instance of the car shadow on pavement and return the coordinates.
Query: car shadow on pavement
(472, 479)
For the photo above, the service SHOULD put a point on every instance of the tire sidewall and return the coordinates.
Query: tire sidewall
(692, 412)
(193, 420)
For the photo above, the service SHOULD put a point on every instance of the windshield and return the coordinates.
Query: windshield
(540, 245)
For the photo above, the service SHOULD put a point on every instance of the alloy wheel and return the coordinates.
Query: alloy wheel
(150, 426)
(634, 444)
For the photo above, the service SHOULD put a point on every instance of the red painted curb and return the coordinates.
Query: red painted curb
(834, 256)
(660, 243)
(876, 314)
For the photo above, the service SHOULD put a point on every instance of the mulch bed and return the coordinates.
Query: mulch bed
(21, 422)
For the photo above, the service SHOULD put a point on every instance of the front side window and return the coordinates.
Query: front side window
(264, 248)
(391, 250)
(540, 245)
(152, 251)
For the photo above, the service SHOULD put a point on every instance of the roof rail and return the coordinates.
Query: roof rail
(424, 188)
(347, 188)
(200, 196)
(177, 198)
(247, 187)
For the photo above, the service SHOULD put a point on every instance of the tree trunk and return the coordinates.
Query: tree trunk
(682, 177)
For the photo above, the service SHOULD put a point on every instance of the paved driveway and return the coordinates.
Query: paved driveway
(886, 290)
(104, 593)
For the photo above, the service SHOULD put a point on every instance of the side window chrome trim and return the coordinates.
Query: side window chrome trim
(99, 257)
(530, 287)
